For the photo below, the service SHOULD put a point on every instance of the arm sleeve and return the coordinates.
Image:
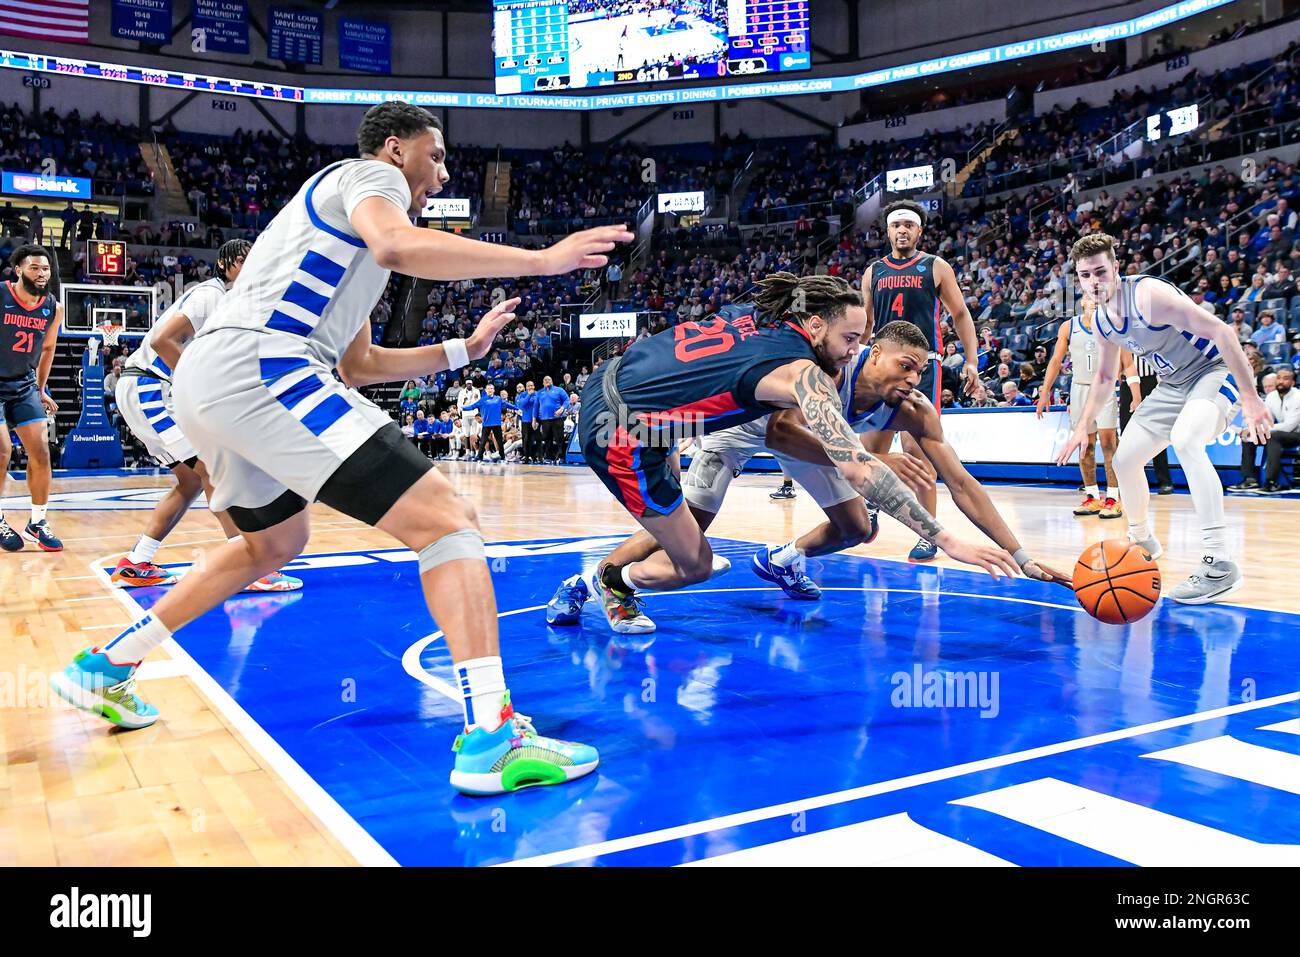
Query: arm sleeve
(358, 181)
(471, 405)
(510, 405)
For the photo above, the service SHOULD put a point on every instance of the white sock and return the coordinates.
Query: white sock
(1196, 427)
(131, 646)
(1214, 543)
(483, 686)
(38, 514)
(1092, 490)
(626, 574)
(145, 549)
(1139, 531)
(789, 556)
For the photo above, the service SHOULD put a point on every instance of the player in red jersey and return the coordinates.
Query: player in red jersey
(701, 377)
(911, 286)
(29, 331)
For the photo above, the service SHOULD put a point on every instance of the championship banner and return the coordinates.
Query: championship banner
(145, 21)
(224, 24)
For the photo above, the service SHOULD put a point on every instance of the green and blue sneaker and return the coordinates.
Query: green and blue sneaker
(514, 756)
(95, 684)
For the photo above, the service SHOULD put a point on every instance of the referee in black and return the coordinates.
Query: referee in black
(1146, 378)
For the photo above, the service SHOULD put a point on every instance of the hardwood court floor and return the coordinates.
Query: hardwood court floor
(199, 789)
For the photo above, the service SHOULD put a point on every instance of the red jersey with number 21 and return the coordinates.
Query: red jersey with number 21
(705, 372)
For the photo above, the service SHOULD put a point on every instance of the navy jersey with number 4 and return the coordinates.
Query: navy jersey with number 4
(22, 333)
(906, 291)
(706, 372)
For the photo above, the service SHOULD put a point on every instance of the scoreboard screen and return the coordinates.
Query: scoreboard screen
(106, 257)
(541, 45)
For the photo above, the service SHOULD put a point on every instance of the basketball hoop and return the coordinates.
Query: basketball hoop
(110, 332)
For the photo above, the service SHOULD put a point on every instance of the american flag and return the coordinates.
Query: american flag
(66, 21)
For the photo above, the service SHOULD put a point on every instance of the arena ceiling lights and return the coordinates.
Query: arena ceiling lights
(41, 63)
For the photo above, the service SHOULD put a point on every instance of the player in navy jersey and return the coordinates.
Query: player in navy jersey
(29, 330)
(912, 286)
(877, 391)
(1199, 362)
(702, 377)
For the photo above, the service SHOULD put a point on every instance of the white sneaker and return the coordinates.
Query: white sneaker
(1214, 581)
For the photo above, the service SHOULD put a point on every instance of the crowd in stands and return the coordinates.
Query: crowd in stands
(106, 152)
(1230, 242)
(1080, 141)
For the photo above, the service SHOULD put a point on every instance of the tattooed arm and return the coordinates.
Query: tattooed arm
(818, 400)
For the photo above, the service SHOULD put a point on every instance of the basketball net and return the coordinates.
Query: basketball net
(109, 332)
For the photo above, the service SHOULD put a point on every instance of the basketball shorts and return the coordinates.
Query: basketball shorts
(932, 383)
(20, 403)
(473, 425)
(640, 476)
(273, 426)
(1159, 411)
(722, 456)
(1107, 418)
(146, 406)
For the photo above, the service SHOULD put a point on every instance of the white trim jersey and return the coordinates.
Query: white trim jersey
(310, 280)
(875, 419)
(1083, 352)
(1179, 357)
(197, 305)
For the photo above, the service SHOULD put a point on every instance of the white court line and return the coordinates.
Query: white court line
(122, 624)
(91, 598)
(882, 787)
(358, 842)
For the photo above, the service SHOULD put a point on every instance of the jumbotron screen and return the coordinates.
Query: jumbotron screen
(542, 45)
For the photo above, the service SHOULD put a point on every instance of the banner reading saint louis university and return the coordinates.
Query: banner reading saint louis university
(67, 21)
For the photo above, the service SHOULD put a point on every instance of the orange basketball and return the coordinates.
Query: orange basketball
(1116, 581)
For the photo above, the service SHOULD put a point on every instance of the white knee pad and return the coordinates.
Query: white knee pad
(466, 543)
(706, 482)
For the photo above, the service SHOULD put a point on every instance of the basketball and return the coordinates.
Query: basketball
(1116, 581)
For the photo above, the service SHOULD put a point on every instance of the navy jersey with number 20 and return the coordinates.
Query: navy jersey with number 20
(706, 372)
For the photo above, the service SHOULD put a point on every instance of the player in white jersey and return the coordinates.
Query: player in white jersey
(1199, 363)
(1075, 338)
(878, 392)
(470, 422)
(144, 398)
(256, 394)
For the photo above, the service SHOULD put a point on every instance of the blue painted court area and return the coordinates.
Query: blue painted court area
(914, 715)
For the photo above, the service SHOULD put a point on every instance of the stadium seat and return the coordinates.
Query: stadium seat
(1019, 345)
(1275, 306)
(1250, 309)
(1295, 304)
(1277, 351)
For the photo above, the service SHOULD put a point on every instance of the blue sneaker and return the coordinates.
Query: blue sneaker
(873, 514)
(95, 684)
(793, 581)
(565, 608)
(10, 540)
(514, 756)
(276, 581)
(923, 551)
(39, 534)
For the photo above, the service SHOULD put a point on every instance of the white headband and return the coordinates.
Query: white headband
(903, 216)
